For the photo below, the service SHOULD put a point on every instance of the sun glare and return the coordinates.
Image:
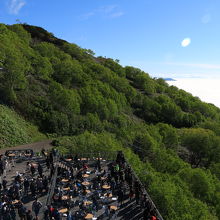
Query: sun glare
(186, 42)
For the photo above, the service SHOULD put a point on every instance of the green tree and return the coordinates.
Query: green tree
(200, 143)
(169, 135)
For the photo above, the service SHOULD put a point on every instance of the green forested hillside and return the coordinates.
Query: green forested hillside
(171, 138)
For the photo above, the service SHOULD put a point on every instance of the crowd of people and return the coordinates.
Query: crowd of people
(84, 189)
(28, 185)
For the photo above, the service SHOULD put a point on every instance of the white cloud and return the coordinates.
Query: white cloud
(196, 65)
(107, 9)
(110, 11)
(87, 15)
(186, 42)
(206, 19)
(117, 14)
(14, 6)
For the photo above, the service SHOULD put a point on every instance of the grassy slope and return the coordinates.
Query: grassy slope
(15, 130)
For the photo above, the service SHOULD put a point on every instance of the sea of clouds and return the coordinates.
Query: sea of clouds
(208, 90)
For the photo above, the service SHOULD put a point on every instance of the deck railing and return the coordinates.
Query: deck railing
(53, 181)
(143, 189)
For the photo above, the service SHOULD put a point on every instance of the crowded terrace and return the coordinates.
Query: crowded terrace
(45, 185)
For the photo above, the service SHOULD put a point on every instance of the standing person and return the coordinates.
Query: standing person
(137, 192)
(47, 213)
(48, 162)
(21, 211)
(51, 157)
(4, 184)
(98, 165)
(40, 185)
(26, 186)
(2, 166)
(1, 183)
(76, 159)
(107, 211)
(45, 183)
(143, 201)
(6, 212)
(33, 187)
(36, 206)
(40, 170)
(29, 216)
(52, 169)
(137, 196)
(131, 194)
(32, 169)
(113, 214)
(12, 212)
(28, 167)
(120, 196)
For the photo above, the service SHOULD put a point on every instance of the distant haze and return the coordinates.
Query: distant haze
(208, 90)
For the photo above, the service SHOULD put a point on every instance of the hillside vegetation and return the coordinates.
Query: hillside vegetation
(14, 130)
(171, 138)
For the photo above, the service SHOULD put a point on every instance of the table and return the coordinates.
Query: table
(85, 183)
(87, 202)
(99, 158)
(11, 155)
(27, 155)
(64, 180)
(113, 207)
(89, 216)
(15, 201)
(85, 175)
(65, 198)
(68, 159)
(109, 195)
(106, 187)
(83, 159)
(66, 189)
(63, 210)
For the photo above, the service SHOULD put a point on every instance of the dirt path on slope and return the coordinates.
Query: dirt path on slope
(37, 146)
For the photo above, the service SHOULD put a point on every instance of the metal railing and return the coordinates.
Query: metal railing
(144, 191)
(53, 182)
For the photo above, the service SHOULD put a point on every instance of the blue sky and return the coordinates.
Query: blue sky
(142, 33)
